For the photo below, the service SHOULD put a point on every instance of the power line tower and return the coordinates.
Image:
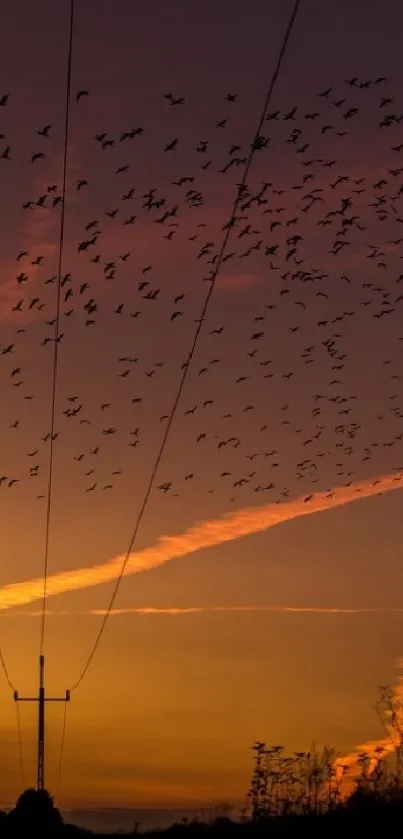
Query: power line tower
(41, 699)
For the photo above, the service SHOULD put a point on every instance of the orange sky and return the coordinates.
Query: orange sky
(226, 624)
(226, 628)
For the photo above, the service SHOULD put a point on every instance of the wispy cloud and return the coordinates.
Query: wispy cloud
(203, 610)
(373, 749)
(238, 282)
(40, 232)
(206, 534)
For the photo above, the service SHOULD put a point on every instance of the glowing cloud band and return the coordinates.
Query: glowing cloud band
(207, 534)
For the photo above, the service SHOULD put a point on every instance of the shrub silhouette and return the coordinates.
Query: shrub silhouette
(34, 813)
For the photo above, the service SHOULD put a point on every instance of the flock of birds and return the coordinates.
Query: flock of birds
(295, 383)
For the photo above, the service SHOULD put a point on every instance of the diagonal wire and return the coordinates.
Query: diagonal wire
(228, 228)
(4, 667)
(56, 339)
(61, 753)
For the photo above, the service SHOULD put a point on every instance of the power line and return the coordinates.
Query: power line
(56, 340)
(20, 748)
(228, 228)
(5, 671)
(61, 753)
(42, 699)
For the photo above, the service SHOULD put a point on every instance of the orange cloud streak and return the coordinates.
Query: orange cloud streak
(204, 535)
(371, 747)
(202, 610)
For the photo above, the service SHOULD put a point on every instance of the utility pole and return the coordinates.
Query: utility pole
(41, 699)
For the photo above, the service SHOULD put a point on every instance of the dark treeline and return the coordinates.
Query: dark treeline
(299, 794)
(290, 795)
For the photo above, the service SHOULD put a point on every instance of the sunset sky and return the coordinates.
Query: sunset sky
(262, 599)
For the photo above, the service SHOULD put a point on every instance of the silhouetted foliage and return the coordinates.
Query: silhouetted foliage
(373, 806)
(297, 794)
(34, 814)
(281, 784)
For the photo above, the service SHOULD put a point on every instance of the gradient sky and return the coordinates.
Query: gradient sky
(282, 633)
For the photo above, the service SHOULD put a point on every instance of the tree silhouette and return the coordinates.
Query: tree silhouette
(35, 813)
